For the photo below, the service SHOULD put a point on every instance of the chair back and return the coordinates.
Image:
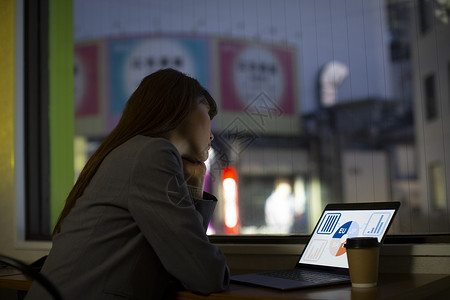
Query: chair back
(35, 275)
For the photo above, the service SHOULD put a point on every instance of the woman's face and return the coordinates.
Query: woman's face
(195, 133)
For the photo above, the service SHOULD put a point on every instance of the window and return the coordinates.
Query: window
(426, 12)
(431, 108)
(357, 145)
(437, 186)
(315, 106)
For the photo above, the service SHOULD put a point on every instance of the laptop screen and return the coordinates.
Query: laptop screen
(326, 245)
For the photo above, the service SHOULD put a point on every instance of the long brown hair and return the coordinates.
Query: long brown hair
(159, 104)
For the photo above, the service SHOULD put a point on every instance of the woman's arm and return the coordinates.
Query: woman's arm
(194, 175)
(205, 203)
(165, 212)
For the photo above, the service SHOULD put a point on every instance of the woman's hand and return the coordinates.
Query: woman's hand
(194, 175)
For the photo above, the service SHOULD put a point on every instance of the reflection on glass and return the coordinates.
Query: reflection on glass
(319, 101)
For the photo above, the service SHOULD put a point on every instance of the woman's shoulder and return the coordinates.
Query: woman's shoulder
(142, 152)
(140, 142)
(148, 146)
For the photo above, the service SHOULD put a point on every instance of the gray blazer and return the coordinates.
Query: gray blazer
(135, 231)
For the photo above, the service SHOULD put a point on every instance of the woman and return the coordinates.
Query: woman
(134, 224)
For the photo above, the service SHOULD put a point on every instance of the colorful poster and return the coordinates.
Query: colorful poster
(257, 86)
(130, 60)
(252, 71)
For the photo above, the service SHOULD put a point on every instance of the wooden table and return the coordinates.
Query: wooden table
(390, 286)
(18, 282)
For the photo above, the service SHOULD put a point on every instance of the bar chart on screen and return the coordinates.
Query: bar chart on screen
(376, 224)
(315, 250)
(328, 223)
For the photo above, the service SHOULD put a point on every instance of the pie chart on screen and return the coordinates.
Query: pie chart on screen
(349, 229)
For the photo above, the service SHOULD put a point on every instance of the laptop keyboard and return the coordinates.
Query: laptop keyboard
(305, 275)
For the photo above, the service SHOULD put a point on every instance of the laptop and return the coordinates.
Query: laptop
(323, 261)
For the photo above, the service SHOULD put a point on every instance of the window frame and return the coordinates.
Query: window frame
(36, 129)
(65, 153)
(45, 63)
(303, 239)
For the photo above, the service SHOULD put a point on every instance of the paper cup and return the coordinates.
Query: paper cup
(363, 256)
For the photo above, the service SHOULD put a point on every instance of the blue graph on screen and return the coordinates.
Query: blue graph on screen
(377, 224)
(328, 223)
